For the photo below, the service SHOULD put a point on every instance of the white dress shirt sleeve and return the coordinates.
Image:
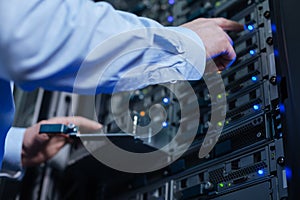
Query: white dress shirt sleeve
(44, 44)
(11, 166)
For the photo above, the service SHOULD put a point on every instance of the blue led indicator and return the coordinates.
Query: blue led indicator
(282, 108)
(254, 78)
(278, 78)
(280, 135)
(288, 173)
(276, 52)
(165, 124)
(279, 127)
(171, 2)
(170, 19)
(252, 52)
(166, 100)
(260, 172)
(250, 27)
(273, 27)
(256, 107)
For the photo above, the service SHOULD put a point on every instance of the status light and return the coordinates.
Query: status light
(142, 113)
(288, 173)
(165, 124)
(252, 52)
(256, 107)
(250, 27)
(276, 52)
(260, 172)
(170, 19)
(166, 100)
(171, 2)
(273, 27)
(221, 185)
(282, 108)
(254, 78)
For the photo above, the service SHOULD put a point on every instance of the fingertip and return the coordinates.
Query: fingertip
(95, 125)
(229, 25)
(230, 63)
(99, 126)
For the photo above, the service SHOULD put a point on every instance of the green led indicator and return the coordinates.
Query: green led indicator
(221, 185)
(219, 96)
(220, 124)
(229, 184)
(273, 155)
(145, 91)
(227, 122)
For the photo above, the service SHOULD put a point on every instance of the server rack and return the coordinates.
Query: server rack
(258, 146)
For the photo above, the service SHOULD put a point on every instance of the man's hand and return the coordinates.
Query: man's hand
(38, 148)
(217, 43)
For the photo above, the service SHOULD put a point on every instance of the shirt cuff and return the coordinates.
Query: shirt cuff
(12, 166)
